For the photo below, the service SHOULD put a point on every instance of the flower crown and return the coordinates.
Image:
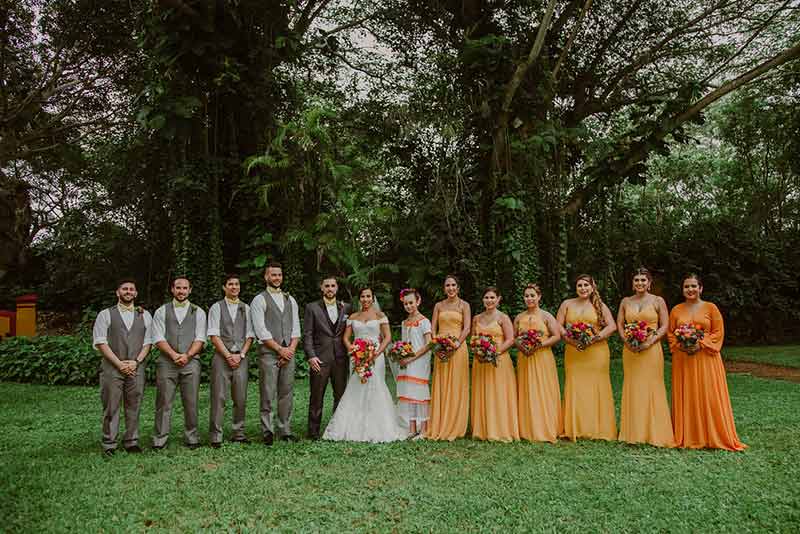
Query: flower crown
(406, 291)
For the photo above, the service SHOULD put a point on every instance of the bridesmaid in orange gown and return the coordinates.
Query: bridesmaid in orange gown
(539, 394)
(701, 406)
(494, 389)
(645, 416)
(450, 382)
(588, 398)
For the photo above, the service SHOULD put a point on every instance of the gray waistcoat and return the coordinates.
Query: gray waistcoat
(278, 323)
(179, 336)
(125, 343)
(232, 332)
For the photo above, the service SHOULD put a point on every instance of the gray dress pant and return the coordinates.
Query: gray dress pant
(225, 380)
(168, 377)
(274, 380)
(115, 389)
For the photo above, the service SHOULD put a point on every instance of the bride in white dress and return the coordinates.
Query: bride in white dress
(366, 412)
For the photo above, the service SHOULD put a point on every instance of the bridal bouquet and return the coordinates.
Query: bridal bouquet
(582, 333)
(443, 347)
(530, 341)
(484, 348)
(399, 351)
(362, 353)
(689, 335)
(636, 333)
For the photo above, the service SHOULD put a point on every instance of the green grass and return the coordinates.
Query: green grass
(55, 479)
(786, 355)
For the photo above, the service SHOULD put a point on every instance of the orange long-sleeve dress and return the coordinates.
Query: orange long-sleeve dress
(701, 406)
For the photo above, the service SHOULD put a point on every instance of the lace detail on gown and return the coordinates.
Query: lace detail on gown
(366, 412)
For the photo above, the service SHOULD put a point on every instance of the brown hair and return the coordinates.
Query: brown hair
(273, 265)
(410, 291)
(454, 277)
(645, 272)
(122, 281)
(229, 277)
(692, 275)
(366, 288)
(180, 277)
(597, 302)
(533, 286)
(493, 289)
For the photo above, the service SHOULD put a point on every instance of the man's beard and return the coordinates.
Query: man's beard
(127, 301)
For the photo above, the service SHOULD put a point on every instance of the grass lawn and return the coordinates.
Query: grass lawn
(55, 479)
(786, 355)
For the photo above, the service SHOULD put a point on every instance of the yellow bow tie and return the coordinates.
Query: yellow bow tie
(331, 302)
(180, 304)
(122, 307)
(273, 290)
(229, 301)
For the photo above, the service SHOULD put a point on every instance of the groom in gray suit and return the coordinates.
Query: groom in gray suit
(324, 325)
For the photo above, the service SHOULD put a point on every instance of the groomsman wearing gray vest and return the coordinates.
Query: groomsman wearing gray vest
(179, 332)
(276, 323)
(122, 335)
(323, 326)
(231, 333)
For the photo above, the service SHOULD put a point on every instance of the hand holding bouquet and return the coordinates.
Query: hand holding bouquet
(443, 347)
(689, 336)
(399, 351)
(484, 348)
(529, 341)
(362, 353)
(636, 334)
(582, 333)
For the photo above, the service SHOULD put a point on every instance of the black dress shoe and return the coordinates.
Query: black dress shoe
(110, 452)
(133, 449)
(243, 441)
(268, 439)
(313, 437)
(290, 437)
(215, 444)
(158, 447)
(192, 446)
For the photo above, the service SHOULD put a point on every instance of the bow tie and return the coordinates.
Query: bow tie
(122, 307)
(274, 290)
(331, 302)
(177, 304)
(229, 301)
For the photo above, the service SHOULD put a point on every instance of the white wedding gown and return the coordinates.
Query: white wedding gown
(366, 412)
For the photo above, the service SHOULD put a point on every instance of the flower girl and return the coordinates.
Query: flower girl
(413, 379)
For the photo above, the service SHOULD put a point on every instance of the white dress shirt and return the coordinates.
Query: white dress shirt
(333, 310)
(214, 318)
(257, 308)
(159, 322)
(103, 321)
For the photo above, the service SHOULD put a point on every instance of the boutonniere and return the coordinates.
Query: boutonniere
(139, 310)
(193, 306)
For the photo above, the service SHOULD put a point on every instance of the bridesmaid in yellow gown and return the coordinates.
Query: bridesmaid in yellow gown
(588, 398)
(539, 394)
(645, 416)
(450, 382)
(494, 389)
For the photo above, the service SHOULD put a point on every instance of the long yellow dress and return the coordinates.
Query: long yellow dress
(588, 398)
(450, 384)
(539, 394)
(645, 415)
(701, 406)
(494, 394)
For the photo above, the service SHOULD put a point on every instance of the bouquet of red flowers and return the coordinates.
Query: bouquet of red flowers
(689, 335)
(530, 341)
(484, 349)
(636, 333)
(582, 333)
(362, 353)
(399, 351)
(443, 347)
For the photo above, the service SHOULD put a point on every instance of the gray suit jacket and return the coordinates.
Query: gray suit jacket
(322, 338)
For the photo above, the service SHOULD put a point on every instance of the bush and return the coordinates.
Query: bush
(72, 360)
